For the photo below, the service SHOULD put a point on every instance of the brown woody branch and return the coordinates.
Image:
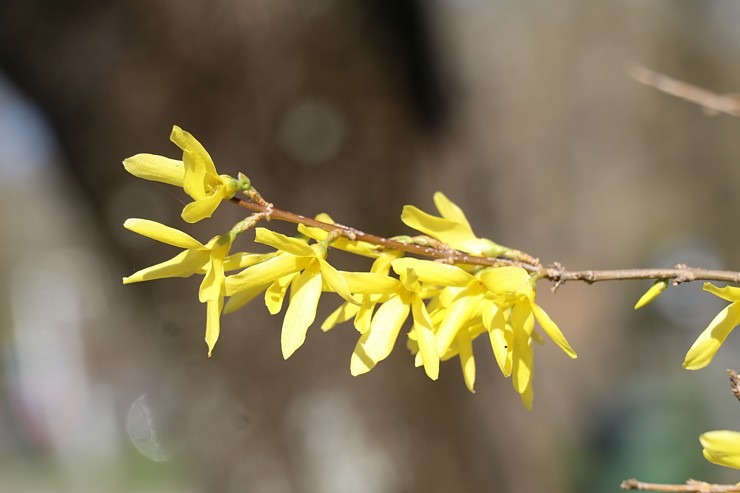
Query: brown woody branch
(711, 102)
(691, 486)
(437, 250)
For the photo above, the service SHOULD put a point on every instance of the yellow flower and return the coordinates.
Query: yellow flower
(209, 259)
(302, 267)
(706, 345)
(452, 228)
(511, 325)
(195, 173)
(722, 447)
(398, 299)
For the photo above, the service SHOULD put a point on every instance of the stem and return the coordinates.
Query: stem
(555, 273)
(690, 486)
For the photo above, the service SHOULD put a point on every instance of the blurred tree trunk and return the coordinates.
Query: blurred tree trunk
(325, 105)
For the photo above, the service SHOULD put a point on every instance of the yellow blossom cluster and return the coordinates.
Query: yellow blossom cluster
(448, 305)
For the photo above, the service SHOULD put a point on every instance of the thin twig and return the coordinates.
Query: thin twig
(734, 383)
(436, 250)
(711, 102)
(691, 486)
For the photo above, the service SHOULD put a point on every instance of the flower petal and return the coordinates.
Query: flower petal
(242, 260)
(465, 348)
(552, 330)
(451, 211)
(156, 168)
(507, 279)
(722, 447)
(200, 173)
(160, 232)
(493, 321)
(275, 294)
(342, 314)
(432, 272)
(729, 293)
(360, 362)
(184, 264)
(201, 208)
(278, 241)
(213, 322)
(521, 372)
(385, 327)
(370, 283)
(242, 298)
(301, 312)
(459, 312)
(706, 345)
(424, 331)
(214, 282)
(265, 273)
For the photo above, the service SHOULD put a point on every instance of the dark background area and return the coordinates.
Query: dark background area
(519, 111)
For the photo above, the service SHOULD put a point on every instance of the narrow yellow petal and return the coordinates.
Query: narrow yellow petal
(658, 287)
(729, 293)
(278, 241)
(342, 314)
(449, 210)
(424, 331)
(722, 447)
(360, 362)
(201, 208)
(493, 320)
(156, 168)
(460, 311)
(200, 173)
(521, 318)
(275, 294)
(301, 312)
(265, 273)
(364, 317)
(335, 280)
(160, 232)
(242, 260)
(507, 279)
(213, 322)
(706, 345)
(521, 372)
(242, 298)
(552, 330)
(467, 362)
(433, 272)
(213, 285)
(370, 283)
(184, 264)
(386, 325)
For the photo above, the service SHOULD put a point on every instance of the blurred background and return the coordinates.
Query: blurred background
(520, 111)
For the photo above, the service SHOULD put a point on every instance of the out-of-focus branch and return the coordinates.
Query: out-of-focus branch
(734, 383)
(691, 486)
(711, 102)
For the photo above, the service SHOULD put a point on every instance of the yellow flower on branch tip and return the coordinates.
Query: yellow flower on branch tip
(452, 228)
(708, 343)
(722, 447)
(195, 173)
(209, 259)
(295, 256)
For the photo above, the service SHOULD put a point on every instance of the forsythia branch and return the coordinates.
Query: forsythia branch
(691, 486)
(438, 250)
